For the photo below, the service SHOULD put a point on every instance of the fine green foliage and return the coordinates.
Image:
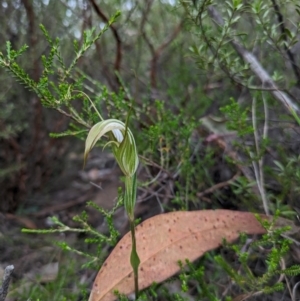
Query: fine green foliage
(55, 95)
(240, 273)
(58, 290)
(249, 161)
(94, 237)
(237, 118)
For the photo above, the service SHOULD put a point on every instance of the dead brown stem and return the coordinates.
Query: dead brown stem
(118, 59)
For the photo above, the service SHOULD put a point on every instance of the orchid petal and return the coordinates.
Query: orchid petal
(123, 144)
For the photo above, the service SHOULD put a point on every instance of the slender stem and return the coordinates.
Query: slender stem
(93, 105)
(129, 202)
(258, 167)
(130, 196)
(134, 259)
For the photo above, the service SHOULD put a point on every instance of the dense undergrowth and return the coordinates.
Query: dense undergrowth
(219, 129)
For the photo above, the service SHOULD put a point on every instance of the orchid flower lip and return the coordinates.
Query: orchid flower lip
(122, 141)
(118, 135)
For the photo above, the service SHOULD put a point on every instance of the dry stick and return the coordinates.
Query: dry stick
(258, 168)
(37, 122)
(152, 163)
(260, 162)
(145, 12)
(255, 66)
(144, 35)
(118, 58)
(295, 290)
(284, 277)
(158, 52)
(265, 78)
(59, 207)
(6, 278)
(284, 35)
(219, 185)
(104, 68)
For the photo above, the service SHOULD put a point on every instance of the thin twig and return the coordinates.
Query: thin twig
(5, 284)
(255, 65)
(258, 168)
(219, 185)
(295, 290)
(260, 161)
(152, 163)
(284, 35)
(116, 35)
(158, 52)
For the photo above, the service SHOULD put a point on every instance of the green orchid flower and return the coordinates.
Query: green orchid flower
(121, 140)
(124, 149)
(123, 145)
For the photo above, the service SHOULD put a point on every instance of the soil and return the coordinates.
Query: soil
(36, 257)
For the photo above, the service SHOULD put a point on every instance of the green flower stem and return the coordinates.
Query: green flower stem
(130, 196)
(129, 202)
(134, 259)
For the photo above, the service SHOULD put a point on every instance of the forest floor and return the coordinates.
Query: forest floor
(36, 257)
(41, 265)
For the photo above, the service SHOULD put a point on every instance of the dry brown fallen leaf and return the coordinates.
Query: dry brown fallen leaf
(165, 239)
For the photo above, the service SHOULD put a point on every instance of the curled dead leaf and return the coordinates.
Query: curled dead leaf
(165, 239)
